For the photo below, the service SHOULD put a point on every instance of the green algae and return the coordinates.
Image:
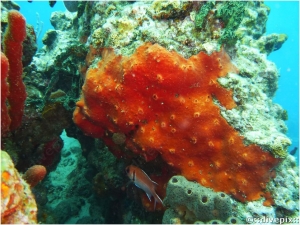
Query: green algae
(232, 14)
(202, 14)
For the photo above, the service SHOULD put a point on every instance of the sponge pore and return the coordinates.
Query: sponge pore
(189, 202)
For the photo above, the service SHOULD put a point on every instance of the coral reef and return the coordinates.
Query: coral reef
(182, 36)
(17, 202)
(56, 67)
(225, 15)
(49, 37)
(232, 14)
(10, 5)
(190, 202)
(88, 184)
(256, 16)
(202, 14)
(36, 141)
(127, 26)
(61, 21)
(29, 45)
(183, 124)
(255, 113)
(285, 188)
(170, 9)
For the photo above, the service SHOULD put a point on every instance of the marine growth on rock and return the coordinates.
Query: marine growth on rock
(168, 105)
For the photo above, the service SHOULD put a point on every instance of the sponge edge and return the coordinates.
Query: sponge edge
(18, 205)
(189, 202)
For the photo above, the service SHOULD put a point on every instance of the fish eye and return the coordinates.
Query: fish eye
(127, 169)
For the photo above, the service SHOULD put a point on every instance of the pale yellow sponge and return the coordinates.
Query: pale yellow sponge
(18, 205)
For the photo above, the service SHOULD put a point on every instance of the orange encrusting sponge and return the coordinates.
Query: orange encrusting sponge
(166, 104)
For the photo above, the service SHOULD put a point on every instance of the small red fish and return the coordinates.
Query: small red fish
(143, 181)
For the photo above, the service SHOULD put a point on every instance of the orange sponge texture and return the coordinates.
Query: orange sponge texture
(168, 105)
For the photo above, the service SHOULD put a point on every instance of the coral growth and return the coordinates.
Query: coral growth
(232, 13)
(170, 9)
(285, 188)
(202, 14)
(165, 104)
(17, 202)
(256, 117)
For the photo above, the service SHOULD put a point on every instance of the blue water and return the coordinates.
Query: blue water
(30, 10)
(283, 18)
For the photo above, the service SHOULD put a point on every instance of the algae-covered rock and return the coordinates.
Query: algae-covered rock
(285, 187)
(170, 9)
(202, 14)
(270, 43)
(257, 118)
(61, 21)
(29, 45)
(232, 13)
(280, 145)
(98, 37)
(49, 37)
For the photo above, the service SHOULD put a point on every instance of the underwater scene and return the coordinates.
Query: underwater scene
(152, 112)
